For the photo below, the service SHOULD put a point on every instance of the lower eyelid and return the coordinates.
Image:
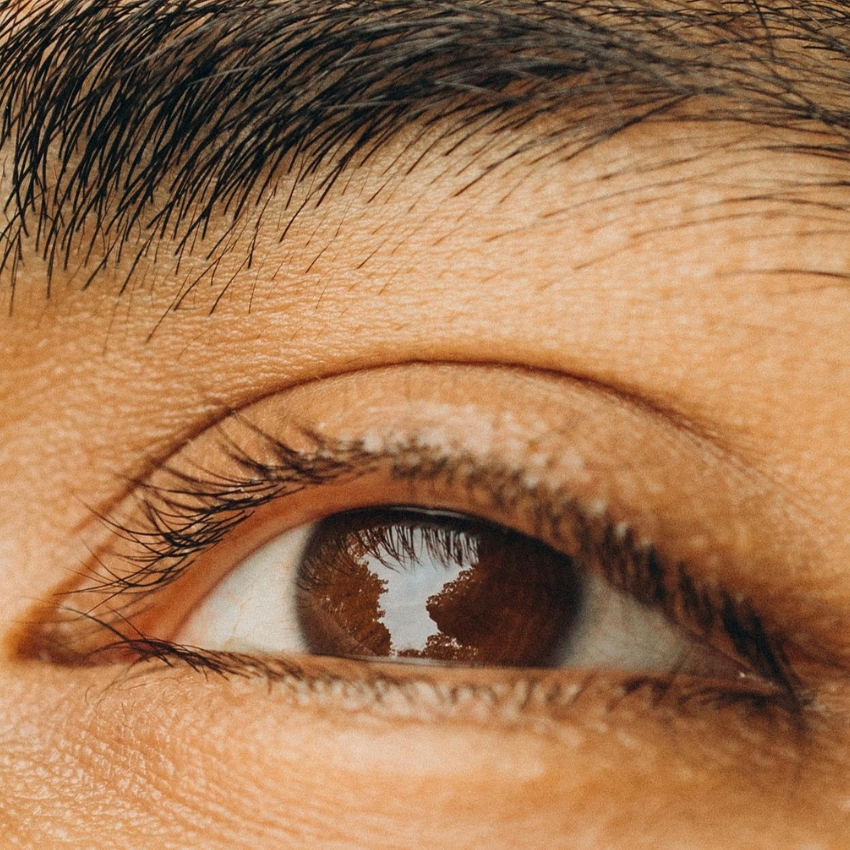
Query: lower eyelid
(556, 703)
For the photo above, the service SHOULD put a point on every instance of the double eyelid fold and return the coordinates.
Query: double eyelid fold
(266, 470)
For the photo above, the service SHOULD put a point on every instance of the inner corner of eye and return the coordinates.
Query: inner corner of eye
(405, 584)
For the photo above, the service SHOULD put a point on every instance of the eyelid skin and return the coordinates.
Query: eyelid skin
(567, 438)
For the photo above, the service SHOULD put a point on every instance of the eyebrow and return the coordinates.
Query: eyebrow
(128, 122)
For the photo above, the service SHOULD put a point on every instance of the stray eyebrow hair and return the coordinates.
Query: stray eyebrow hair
(128, 122)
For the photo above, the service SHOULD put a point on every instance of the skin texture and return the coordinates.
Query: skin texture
(664, 302)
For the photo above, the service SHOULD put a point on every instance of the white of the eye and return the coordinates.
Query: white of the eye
(253, 608)
(616, 632)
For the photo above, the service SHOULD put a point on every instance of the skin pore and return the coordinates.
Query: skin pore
(649, 324)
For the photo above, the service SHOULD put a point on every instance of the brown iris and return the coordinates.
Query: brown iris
(399, 583)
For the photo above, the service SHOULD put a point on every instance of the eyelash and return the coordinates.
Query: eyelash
(187, 515)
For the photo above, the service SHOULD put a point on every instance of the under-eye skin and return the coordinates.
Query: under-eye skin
(515, 564)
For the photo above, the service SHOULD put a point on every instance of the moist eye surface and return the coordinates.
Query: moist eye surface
(427, 585)
(415, 585)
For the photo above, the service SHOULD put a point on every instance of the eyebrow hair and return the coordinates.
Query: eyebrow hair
(131, 121)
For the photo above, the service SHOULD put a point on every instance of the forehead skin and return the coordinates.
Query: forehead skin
(672, 265)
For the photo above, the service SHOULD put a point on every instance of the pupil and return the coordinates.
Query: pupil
(405, 584)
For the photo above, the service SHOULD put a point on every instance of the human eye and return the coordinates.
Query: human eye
(423, 585)
(424, 424)
(421, 527)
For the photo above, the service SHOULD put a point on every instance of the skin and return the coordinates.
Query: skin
(634, 278)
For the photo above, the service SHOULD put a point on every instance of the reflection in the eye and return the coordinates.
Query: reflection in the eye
(415, 584)
(411, 593)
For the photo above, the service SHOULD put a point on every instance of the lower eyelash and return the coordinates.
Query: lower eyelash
(550, 701)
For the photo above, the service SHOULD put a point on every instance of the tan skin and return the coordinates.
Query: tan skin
(649, 327)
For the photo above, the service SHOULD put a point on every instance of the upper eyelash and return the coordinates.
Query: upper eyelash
(193, 513)
(186, 515)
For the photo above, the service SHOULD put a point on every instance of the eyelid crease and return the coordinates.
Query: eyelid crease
(188, 514)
